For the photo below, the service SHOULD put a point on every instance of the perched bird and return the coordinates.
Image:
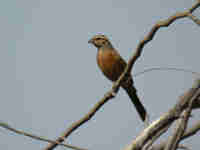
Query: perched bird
(112, 66)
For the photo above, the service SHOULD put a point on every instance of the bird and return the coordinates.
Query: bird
(112, 66)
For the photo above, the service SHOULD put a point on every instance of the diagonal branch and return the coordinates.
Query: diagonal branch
(83, 120)
(181, 125)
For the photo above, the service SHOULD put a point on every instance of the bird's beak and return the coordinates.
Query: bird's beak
(90, 41)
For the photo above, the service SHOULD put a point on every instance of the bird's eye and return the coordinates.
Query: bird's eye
(98, 38)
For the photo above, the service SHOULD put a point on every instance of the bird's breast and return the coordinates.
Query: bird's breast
(110, 64)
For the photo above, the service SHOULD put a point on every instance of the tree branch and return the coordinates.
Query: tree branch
(190, 132)
(194, 18)
(181, 125)
(173, 141)
(166, 120)
(8, 127)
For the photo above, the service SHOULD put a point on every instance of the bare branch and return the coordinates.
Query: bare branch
(169, 117)
(154, 138)
(194, 18)
(8, 127)
(78, 123)
(181, 125)
(183, 147)
(173, 142)
(197, 74)
(165, 120)
(153, 31)
(190, 132)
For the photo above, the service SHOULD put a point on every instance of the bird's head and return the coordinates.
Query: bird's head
(100, 41)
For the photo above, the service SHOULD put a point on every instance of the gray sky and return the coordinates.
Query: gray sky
(49, 77)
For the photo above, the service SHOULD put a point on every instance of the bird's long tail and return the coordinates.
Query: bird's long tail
(131, 91)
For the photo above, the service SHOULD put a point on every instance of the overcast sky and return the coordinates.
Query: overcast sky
(49, 76)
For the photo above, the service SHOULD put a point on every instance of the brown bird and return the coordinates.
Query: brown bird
(112, 65)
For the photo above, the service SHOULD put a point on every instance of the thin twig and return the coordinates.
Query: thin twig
(166, 69)
(8, 127)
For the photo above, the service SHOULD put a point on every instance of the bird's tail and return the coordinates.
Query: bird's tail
(131, 91)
